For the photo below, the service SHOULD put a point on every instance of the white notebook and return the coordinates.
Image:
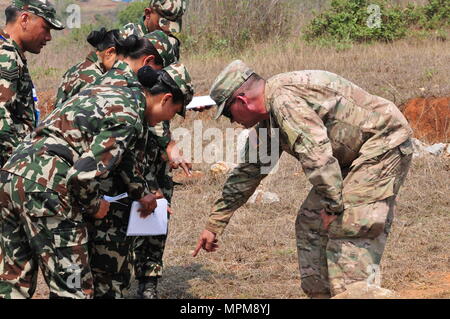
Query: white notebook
(198, 101)
(152, 225)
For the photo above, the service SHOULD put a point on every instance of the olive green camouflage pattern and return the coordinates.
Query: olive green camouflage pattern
(354, 148)
(17, 109)
(98, 131)
(171, 45)
(148, 255)
(171, 12)
(140, 30)
(167, 48)
(79, 77)
(36, 230)
(83, 141)
(109, 245)
(41, 8)
(181, 77)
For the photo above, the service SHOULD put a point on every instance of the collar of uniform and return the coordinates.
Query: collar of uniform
(268, 94)
(127, 72)
(120, 65)
(269, 90)
(8, 39)
(5, 36)
(94, 58)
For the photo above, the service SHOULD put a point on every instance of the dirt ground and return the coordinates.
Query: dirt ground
(429, 118)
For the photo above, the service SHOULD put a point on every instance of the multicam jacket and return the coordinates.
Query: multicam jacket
(78, 77)
(17, 109)
(84, 140)
(327, 123)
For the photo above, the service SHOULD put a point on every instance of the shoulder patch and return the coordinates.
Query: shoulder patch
(9, 74)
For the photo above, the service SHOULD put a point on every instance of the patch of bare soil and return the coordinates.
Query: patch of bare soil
(437, 285)
(429, 118)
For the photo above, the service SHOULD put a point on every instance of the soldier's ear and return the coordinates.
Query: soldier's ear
(148, 12)
(110, 51)
(24, 18)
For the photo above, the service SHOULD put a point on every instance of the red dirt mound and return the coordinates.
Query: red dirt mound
(429, 118)
(45, 102)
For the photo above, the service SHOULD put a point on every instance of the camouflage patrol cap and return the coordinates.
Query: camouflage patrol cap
(228, 81)
(41, 8)
(171, 12)
(181, 77)
(166, 48)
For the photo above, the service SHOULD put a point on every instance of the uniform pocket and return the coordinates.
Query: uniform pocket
(364, 221)
(368, 192)
(70, 237)
(72, 272)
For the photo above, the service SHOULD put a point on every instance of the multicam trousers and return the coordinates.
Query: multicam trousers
(351, 250)
(39, 229)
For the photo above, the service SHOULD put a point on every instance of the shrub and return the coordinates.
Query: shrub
(347, 20)
(132, 12)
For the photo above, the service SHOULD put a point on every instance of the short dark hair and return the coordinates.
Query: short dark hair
(11, 13)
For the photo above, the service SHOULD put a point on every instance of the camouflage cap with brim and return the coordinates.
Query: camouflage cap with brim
(166, 48)
(227, 82)
(171, 12)
(41, 8)
(182, 79)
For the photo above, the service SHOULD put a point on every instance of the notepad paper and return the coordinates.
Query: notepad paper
(152, 225)
(198, 101)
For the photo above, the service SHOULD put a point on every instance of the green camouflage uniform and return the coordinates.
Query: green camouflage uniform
(17, 109)
(148, 250)
(79, 76)
(354, 148)
(53, 178)
(110, 247)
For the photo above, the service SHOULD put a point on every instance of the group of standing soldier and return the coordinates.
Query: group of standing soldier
(109, 133)
(104, 137)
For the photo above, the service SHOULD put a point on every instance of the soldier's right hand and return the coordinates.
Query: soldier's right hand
(102, 210)
(149, 204)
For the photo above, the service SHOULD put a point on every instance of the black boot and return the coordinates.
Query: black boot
(148, 288)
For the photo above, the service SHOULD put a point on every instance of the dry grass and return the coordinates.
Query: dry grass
(395, 71)
(257, 256)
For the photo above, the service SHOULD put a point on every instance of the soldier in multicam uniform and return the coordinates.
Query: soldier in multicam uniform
(165, 15)
(355, 149)
(111, 260)
(96, 64)
(28, 25)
